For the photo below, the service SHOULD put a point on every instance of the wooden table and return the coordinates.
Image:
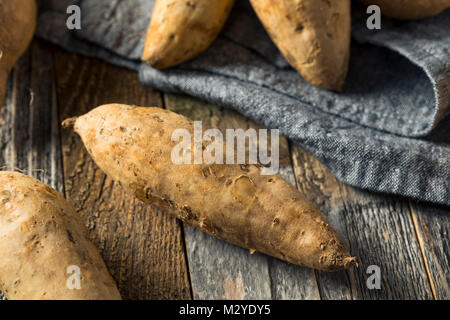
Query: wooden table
(153, 256)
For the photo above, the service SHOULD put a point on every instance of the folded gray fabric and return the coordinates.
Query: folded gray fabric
(388, 131)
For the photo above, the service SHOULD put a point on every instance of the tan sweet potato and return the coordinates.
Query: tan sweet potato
(313, 36)
(17, 24)
(41, 236)
(180, 30)
(409, 9)
(235, 203)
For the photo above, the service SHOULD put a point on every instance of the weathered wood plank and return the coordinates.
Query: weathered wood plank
(44, 131)
(29, 130)
(142, 246)
(433, 231)
(378, 229)
(220, 270)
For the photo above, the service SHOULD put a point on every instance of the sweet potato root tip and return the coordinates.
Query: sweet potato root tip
(69, 123)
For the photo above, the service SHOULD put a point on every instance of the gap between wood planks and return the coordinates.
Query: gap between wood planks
(422, 249)
(181, 224)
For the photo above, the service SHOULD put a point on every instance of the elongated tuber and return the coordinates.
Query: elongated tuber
(44, 246)
(17, 24)
(409, 9)
(313, 36)
(133, 145)
(180, 30)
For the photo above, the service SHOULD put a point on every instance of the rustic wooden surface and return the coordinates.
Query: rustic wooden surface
(153, 256)
(141, 245)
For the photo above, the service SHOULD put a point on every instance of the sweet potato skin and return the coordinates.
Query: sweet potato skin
(40, 236)
(313, 36)
(235, 203)
(17, 25)
(180, 30)
(409, 9)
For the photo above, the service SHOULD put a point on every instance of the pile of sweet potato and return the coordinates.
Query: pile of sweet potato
(41, 234)
(313, 35)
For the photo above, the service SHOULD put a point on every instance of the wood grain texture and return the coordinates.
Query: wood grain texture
(433, 231)
(141, 245)
(29, 129)
(220, 270)
(378, 229)
(144, 247)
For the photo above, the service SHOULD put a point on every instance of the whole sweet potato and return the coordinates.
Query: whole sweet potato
(43, 242)
(180, 30)
(17, 24)
(313, 36)
(133, 145)
(409, 9)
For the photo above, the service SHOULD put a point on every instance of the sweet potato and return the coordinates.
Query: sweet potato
(133, 145)
(313, 36)
(41, 236)
(17, 24)
(180, 30)
(409, 9)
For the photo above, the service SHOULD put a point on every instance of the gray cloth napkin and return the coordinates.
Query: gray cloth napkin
(388, 131)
